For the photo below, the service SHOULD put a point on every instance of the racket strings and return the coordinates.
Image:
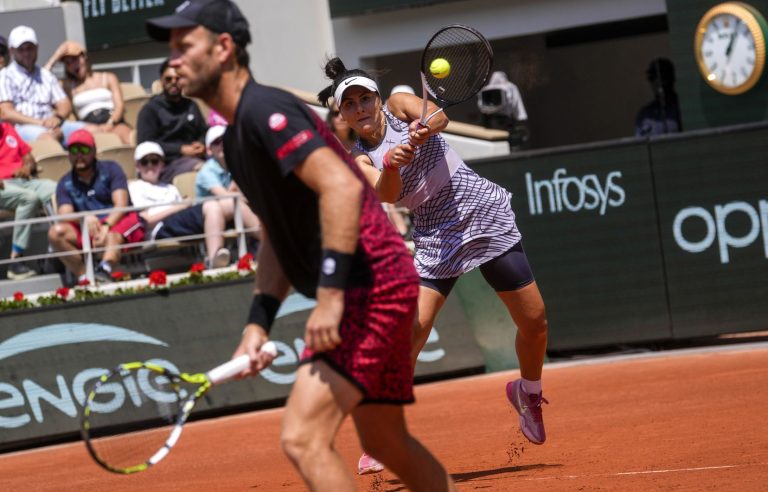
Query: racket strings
(129, 417)
(470, 59)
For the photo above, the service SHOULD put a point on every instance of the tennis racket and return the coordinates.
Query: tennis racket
(135, 413)
(455, 65)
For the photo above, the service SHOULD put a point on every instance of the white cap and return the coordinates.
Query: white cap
(402, 88)
(351, 82)
(20, 35)
(214, 133)
(146, 148)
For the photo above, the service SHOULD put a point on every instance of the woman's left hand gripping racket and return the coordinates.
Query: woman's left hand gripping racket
(134, 414)
(455, 65)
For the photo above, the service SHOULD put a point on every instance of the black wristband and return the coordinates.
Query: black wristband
(334, 269)
(263, 311)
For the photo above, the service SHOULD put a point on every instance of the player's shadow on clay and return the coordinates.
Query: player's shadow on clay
(469, 476)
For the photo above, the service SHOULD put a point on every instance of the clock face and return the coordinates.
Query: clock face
(730, 48)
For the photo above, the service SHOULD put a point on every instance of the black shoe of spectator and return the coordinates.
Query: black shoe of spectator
(102, 276)
(20, 271)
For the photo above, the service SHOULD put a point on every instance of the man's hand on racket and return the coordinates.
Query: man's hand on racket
(253, 338)
(322, 328)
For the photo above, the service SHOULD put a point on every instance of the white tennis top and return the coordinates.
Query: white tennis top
(461, 220)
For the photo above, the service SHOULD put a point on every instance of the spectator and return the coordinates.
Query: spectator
(3, 52)
(340, 128)
(214, 179)
(96, 96)
(215, 119)
(168, 218)
(93, 186)
(502, 107)
(30, 96)
(176, 123)
(20, 191)
(662, 115)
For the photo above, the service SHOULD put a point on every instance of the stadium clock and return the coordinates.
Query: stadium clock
(730, 47)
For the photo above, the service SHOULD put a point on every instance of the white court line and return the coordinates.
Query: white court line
(644, 472)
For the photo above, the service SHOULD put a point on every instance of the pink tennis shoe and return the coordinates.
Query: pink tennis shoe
(529, 408)
(367, 465)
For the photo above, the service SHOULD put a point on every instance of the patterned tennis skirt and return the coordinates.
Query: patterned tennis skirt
(469, 221)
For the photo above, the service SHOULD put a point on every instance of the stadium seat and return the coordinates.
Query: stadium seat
(122, 154)
(51, 158)
(53, 166)
(106, 140)
(185, 183)
(131, 90)
(132, 107)
(44, 147)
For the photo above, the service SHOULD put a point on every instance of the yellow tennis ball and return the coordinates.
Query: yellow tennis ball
(440, 68)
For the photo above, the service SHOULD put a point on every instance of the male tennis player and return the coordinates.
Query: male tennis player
(328, 237)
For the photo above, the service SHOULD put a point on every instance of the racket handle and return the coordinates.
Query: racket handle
(424, 98)
(230, 369)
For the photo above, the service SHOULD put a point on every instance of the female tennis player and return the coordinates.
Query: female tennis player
(461, 222)
(297, 177)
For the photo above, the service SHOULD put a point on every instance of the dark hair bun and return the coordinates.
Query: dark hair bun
(334, 68)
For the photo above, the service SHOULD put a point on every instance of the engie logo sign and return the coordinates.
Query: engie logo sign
(716, 231)
(26, 401)
(574, 194)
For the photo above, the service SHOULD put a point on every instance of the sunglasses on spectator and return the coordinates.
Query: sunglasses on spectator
(80, 149)
(218, 141)
(154, 161)
(334, 114)
(170, 78)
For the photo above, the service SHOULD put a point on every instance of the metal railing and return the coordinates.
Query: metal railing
(134, 66)
(88, 251)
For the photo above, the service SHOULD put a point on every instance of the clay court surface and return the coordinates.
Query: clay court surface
(689, 420)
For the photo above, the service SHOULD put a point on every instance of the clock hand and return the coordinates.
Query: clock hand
(733, 38)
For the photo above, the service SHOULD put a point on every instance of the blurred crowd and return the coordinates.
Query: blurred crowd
(175, 155)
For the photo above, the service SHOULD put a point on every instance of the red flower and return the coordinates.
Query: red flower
(157, 278)
(18, 296)
(117, 276)
(62, 292)
(84, 282)
(244, 263)
(197, 268)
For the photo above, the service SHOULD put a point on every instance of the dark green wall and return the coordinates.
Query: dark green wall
(702, 106)
(640, 240)
(341, 8)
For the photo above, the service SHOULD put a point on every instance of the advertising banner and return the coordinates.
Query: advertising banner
(713, 210)
(590, 231)
(49, 357)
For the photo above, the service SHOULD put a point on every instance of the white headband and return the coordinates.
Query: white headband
(352, 81)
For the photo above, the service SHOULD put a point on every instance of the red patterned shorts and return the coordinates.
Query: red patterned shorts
(375, 351)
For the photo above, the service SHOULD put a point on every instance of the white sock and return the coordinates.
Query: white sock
(106, 266)
(531, 387)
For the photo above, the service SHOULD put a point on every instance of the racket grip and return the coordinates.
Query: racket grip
(230, 369)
